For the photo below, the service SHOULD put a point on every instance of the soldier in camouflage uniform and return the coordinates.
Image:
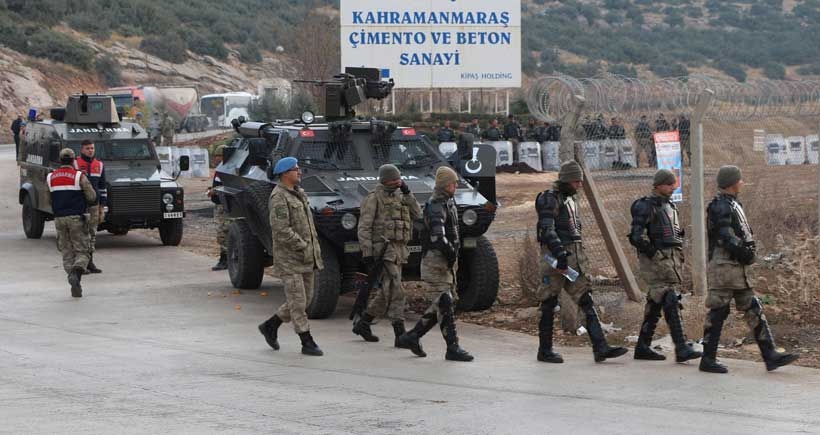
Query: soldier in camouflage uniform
(559, 233)
(658, 238)
(438, 268)
(385, 227)
(731, 254)
(70, 194)
(94, 170)
(221, 219)
(167, 127)
(296, 255)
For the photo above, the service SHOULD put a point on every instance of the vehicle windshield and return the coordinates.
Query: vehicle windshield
(213, 106)
(123, 100)
(404, 154)
(326, 155)
(238, 102)
(129, 150)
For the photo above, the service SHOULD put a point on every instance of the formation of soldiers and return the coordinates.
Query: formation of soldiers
(511, 130)
(385, 227)
(77, 194)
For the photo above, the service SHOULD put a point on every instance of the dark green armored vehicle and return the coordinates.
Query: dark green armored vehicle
(140, 194)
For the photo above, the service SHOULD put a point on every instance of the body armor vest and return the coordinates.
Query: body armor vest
(568, 222)
(664, 227)
(450, 221)
(392, 219)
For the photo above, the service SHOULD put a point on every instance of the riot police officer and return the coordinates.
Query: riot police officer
(731, 254)
(559, 233)
(438, 268)
(446, 134)
(658, 237)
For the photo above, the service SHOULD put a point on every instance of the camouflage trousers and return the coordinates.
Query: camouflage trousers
(298, 294)
(720, 299)
(553, 282)
(222, 224)
(389, 299)
(167, 141)
(93, 223)
(72, 241)
(440, 281)
(661, 273)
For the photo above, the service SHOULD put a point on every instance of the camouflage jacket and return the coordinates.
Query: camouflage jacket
(295, 240)
(167, 127)
(387, 215)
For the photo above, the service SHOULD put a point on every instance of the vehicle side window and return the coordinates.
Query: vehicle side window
(54, 152)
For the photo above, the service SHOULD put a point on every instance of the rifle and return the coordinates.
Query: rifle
(363, 286)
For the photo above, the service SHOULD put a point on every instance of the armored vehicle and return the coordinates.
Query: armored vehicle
(339, 156)
(140, 194)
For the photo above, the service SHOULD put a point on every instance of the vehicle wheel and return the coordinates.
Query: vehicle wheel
(326, 285)
(34, 220)
(259, 194)
(245, 256)
(118, 231)
(170, 232)
(478, 277)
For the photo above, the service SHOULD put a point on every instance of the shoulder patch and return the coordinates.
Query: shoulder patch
(281, 211)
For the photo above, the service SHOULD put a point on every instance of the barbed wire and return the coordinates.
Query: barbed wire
(552, 97)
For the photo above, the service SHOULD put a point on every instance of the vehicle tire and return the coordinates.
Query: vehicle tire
(326, 285)
(120, 231)
(245, 256)
(478, 277)
(170, 232)
(34, 220)
(259, 195)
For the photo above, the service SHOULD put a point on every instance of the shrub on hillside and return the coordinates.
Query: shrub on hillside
(108, 69)
(167, 47)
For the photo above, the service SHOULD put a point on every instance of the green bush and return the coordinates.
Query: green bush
(108, 69)
(249, 53)
(168, 47)
(774, 71)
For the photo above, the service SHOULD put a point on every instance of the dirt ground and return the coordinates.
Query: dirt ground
(792, 314)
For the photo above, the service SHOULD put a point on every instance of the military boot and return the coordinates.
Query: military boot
(765, 340)
(545, 331)
(362, 328)
(270, 329)
(92, 268)
(309, 347)
(412, 338)
(448, 330)
(643, 349)
(398, 330)
(600, 348)
(683, 350)
(74, 278)
(711, 338)
(222, 264)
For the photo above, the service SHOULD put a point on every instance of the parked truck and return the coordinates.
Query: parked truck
(180, 102)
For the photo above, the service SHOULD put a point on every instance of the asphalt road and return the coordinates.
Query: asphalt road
(160, 345)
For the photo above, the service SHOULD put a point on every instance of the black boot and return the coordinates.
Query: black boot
(412, 338)
(683, 350)
(362, 327)
(92, 268)
(398, 330)
(222, 264)
(309, 347)
(600, 348)
(711, 338)
(545, 352)
(448, 331)
(765, 340)
(270, 329)
(643, 349)
(74, 278)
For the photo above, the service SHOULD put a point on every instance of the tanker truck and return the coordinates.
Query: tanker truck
(180, 102)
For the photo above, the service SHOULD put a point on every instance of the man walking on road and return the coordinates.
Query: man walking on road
(296, 256)
(16, 126)
(559, 233)
(222, 221)
(657, 235)
(70, 194)
(439, 264)
(385, 227)
(95, 171)
(731, 253)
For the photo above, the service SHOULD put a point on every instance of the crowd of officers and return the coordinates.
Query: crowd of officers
(78, 197)
(385, 227)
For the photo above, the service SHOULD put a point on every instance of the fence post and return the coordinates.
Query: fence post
(699, 284)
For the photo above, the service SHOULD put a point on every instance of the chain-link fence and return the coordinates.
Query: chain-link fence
(767, 128)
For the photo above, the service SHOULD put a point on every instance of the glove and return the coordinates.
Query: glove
(562, 261)
(405, 189)
(650, 251)
(369, 262)
(749, 252)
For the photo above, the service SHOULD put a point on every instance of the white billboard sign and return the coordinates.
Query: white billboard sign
(435, 43)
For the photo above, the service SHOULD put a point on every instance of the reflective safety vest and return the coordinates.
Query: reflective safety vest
(67, 198)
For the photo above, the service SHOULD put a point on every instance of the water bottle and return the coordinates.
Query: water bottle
(571, 274)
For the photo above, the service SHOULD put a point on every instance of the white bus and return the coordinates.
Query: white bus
(221, 109)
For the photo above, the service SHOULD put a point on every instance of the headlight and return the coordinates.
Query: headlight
(308, 117)
(349, 221)
(169, 207)
(469, 217)
(167, 198)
